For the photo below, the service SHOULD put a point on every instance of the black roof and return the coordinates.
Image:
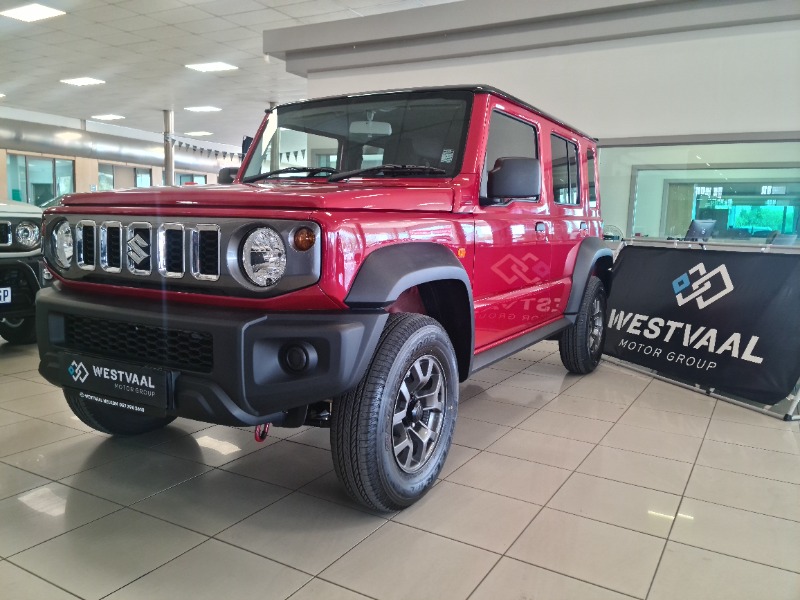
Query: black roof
(476, 89)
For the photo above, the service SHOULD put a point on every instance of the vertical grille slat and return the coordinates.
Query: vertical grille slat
(111, 246)
(205, 252)
(84, 244)
(171, 250)
(5, 233)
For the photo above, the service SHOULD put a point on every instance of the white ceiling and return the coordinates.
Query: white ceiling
(140, 49)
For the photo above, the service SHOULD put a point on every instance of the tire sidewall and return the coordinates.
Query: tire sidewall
(405, 488)
(598, 292)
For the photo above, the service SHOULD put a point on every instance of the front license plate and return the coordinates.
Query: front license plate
(124, 385)
(5, 295)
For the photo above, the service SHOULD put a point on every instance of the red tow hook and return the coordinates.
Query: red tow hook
(261, 432)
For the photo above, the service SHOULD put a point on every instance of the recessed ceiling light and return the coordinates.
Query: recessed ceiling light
(107, 117)
(83, 81)
(32, 12)
(202, 108)
(212, 66)
(198, 133)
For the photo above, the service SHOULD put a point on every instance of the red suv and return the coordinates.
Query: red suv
(372, 252)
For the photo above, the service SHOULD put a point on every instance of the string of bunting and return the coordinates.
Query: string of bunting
(207, 151)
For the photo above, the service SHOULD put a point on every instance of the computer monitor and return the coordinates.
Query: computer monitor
(700, 229)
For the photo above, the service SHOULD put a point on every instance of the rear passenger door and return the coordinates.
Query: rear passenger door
(512, 251)
(565, 183)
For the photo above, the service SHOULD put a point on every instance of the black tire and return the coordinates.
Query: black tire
(377, 431)
(115, 421)
(18, 331)
(581, 345)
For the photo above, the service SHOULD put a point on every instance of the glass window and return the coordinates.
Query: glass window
(105, 177)
(144, 177)
(507, 137)
(41, 184)
(426, 129)
(751, 190)
(17, 177)
(565, 170)
(65, 176)
(199, 179)
(590, 168)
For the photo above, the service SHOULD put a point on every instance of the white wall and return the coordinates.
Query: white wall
(731, 80)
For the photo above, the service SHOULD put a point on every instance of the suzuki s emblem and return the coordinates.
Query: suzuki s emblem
(137, 249)
(701, 285)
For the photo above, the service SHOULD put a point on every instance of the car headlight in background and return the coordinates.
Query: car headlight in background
(62, 244)
(28, 234)
(264, 257)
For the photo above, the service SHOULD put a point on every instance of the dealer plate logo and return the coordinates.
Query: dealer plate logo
(529, 269)
(78, 372)
(718, 279)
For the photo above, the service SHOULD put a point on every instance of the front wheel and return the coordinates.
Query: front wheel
(107, 419)
(390, 435)
(18, 331)
(581, 345)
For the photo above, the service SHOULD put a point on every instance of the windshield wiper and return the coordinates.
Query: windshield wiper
(312, 172)
(389, 170)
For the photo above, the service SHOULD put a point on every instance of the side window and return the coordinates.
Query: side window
(508, 137)
(565, 170)
(590, 168)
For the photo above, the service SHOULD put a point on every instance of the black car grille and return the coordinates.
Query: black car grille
(23, 290)
(5, 234)
(156, 346)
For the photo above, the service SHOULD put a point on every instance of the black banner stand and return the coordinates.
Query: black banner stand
(787, 409)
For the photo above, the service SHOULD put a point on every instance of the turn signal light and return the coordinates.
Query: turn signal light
(304, 239)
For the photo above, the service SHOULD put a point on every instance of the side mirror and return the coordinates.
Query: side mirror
(514, 177)
(227, 174)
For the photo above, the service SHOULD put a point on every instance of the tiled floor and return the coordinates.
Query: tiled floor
(558, 487)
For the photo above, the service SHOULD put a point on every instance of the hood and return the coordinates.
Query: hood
(305, 195)
(10, 207)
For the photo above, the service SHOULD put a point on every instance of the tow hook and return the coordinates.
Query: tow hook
(261, 432)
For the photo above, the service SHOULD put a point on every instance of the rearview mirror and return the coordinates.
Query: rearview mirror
(370, 128)
(514, 177)
(227, 174)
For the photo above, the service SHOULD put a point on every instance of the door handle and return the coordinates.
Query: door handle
(541, 228)
(584, 225)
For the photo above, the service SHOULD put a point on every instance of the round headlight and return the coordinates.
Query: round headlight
(264, 257)
(62, 244)
(28, 234)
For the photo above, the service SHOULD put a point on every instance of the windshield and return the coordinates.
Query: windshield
(316, 139)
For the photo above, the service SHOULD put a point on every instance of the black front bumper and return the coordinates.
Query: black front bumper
(230, 366)
(23, 277)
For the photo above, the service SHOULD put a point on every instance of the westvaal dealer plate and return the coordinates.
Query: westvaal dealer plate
(116, 383)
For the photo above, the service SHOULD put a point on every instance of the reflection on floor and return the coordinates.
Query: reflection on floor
(558, 487)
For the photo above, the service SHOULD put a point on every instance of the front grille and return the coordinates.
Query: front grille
(5, 233)
(22, 290)
(140, 247)
(156, 346)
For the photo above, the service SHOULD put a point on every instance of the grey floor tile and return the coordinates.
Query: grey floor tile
(32, 433)
(212, 501)
(477, 434)
(13, 389)
(213, 446)
(542, 448)
(515, 580)
(131, 479)
(317, 589)
(605, 555)
(453, 510)
(586, 407)
(695, 574)
(215, 570)
(101, 557)
(45, 512)
(303, 532)
(457, 457)
(373, 567)
(18, 584)
(481, 408)
(654, 443)
(513, 477)
(38, 405)
(7, 417)
(661, 420)
(780, 466)
(567, 426)
(284, 463)
(67, 457)
(14, 481)
(763, 438)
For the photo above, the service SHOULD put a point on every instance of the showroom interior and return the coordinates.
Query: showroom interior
(610, 485)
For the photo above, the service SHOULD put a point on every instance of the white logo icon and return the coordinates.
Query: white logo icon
(78, 371)
(702, 285)
(137, 249)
